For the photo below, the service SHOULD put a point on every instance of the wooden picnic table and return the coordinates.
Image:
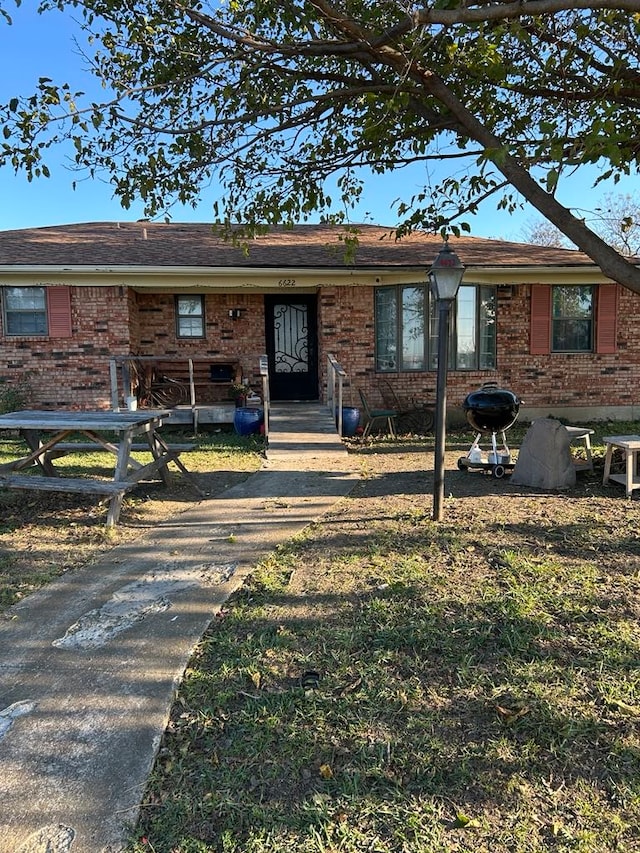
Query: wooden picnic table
(46, 433)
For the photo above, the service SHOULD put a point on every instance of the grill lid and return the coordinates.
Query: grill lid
(491, 409)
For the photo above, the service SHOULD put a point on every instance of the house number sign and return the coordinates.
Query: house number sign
(287, 282)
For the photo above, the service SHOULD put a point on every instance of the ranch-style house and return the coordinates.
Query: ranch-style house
(92, 314)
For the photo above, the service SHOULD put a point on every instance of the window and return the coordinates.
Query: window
(407, 328)
(29, 311)
(476, 328)
(572, 319)
(25, 311)
(386, 310)
(190, 316)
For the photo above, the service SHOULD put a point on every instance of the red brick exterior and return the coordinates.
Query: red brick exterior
(113, 321)
(73, 373)
(239, 339)
(557, 380)
(553, 380)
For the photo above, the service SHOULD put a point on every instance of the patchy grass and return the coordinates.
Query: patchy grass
(384, 683)
(45, 534)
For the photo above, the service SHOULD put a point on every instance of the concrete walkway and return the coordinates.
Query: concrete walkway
(90, 663)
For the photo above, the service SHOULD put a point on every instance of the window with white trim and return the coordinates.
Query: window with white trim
(190, 316)
(25, 311)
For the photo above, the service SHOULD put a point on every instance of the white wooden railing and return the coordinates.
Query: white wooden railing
(266, 399)
(335, 388)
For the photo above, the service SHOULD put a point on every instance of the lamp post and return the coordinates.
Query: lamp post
(445, 276)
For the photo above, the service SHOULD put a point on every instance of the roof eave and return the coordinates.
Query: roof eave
(144, 277)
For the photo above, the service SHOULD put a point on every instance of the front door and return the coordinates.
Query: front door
(292, 347)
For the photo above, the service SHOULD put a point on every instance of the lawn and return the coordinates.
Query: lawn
(384, 683)
(45, 534)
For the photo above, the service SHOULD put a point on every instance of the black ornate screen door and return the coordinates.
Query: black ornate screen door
(292, 347)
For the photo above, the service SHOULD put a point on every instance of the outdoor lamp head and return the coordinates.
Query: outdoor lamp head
(446, 274)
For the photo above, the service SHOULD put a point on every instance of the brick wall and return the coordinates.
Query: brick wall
(73, 373)
(554, 380)
(108, 321)
(572, 379)
(347, 331)
(239, 339)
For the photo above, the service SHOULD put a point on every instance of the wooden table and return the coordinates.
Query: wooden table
(45, 433)
(629, 445)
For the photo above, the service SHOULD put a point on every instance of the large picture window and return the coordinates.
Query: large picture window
(190, 316)
(407, 328)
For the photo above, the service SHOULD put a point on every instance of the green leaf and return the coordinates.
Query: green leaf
(463, 821)
(552, 179)
(274, 105)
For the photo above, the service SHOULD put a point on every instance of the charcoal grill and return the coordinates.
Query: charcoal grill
(490, 410)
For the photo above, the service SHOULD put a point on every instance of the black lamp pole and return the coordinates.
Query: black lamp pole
(445, 276)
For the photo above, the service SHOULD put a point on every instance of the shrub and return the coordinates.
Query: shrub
(14, 394)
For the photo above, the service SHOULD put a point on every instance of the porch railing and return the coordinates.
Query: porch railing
(168, 381)
(335, 388)
(266, 399)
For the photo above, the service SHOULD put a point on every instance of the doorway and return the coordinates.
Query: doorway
(292, 346)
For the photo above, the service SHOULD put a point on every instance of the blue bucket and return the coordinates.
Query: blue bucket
(247, 421)
(350, 420)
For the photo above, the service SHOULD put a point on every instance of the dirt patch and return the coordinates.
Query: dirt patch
(44, 535)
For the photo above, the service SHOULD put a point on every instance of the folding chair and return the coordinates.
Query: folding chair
(378, 416)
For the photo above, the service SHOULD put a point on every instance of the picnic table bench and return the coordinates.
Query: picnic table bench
(46, 434)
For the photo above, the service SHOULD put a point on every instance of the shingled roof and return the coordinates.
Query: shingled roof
(153, 244)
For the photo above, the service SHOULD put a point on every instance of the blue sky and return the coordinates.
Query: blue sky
(42, 45)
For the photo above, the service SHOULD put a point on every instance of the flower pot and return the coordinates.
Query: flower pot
(247, 421)
(350, 420)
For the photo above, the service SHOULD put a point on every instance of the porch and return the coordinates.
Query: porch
(194, 390)
(198, 391)
(202, 390)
